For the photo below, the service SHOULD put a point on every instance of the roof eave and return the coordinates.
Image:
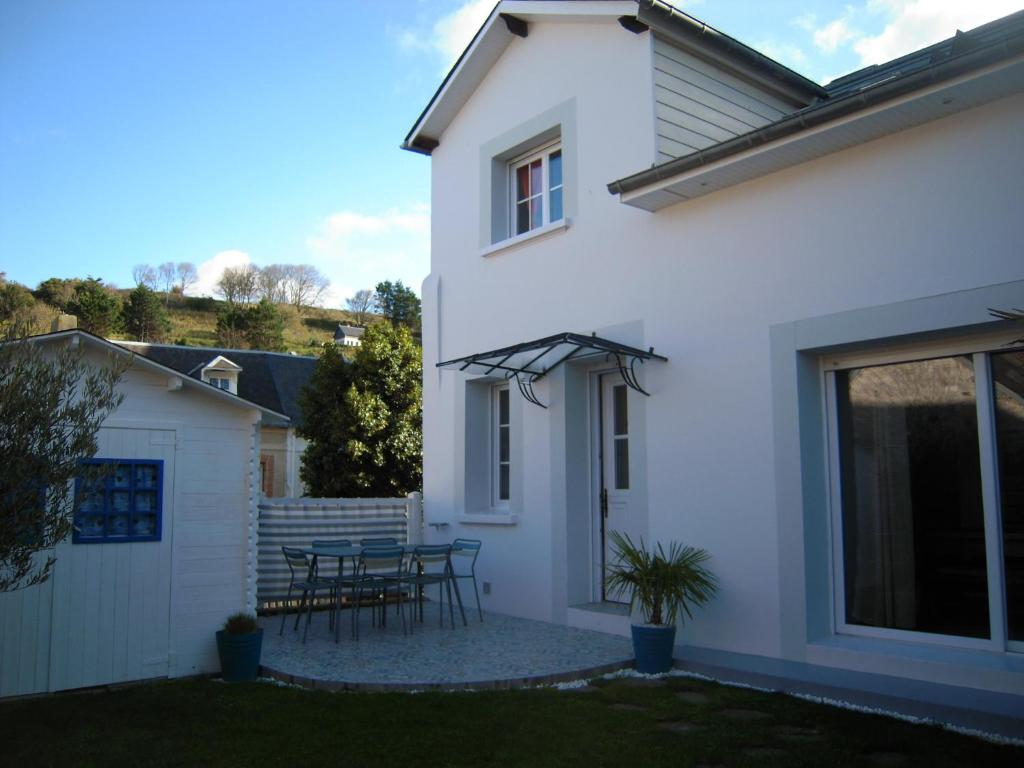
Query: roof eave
(821, 115)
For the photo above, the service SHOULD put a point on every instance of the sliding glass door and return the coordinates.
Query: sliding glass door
(927, 473)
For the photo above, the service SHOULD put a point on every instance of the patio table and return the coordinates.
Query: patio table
(354, 552)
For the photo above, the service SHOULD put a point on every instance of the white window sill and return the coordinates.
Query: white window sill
(488, 518)
(514, 242)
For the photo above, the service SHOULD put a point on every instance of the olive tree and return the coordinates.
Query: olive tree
(52, 403)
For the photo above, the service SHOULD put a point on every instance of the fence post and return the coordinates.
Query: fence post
(414, 517)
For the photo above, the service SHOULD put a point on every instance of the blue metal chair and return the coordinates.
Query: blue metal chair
(339, 576)
(462, 550)
(307, 582)
(379, 570)
(382, 541)
(431, 564)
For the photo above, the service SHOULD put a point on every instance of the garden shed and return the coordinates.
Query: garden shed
(161, 553)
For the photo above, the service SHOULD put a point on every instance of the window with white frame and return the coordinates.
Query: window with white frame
(220, 383)
(500, 445)
(535, 182)
(927, 468)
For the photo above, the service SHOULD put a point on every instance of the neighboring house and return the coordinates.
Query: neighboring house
(348, 335)
(272, 379)
(161, 555)
(798, 276)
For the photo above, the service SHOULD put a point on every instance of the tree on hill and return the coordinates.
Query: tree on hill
(364, 418)
(273, 283)
(57, 292)
(306, 286)
(398, 304)
(15, 300)
(51, 408)
(264, 327)
(187, 276)
(143, 274)
(167, 275)
(360, 304)
(145, 318)
(255, 327)
(238, 285)
(97, 307)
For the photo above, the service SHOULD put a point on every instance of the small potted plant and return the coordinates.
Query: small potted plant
(661, 583)
(239, 645)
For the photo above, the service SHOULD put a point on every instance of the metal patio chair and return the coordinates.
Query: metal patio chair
(382, 541)
(463, 550)
(431, 564)
(379, 570)
(339, 575)
(302, 579)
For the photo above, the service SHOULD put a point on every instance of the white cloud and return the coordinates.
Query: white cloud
(838, 32)
(914, 24)
(450, 34)
(211, 270)
(908, 25)
(355, 249)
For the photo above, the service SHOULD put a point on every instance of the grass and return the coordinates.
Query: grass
(680, 722)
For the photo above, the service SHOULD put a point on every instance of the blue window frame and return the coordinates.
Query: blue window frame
(125, 502)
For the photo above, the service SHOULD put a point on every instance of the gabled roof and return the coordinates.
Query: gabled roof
(272, 379)
(193, 384)
(511, 18)
(351, 331)
(219, 363)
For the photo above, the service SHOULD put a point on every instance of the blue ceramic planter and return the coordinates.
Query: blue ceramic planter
(239, 655)
(652, 647)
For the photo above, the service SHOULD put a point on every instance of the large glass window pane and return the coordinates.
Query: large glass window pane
(537, 213)
(913, 528)
(1008, 382)
(536, 172)
(522, 183)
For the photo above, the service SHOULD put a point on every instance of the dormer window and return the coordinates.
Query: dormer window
(536, 189)
(221, 373)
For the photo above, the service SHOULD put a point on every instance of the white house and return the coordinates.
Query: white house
(349, 335)
(161, 555)
(681, 291)
(271, 379)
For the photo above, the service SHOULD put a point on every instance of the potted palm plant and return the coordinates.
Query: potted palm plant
(239, 645)
(661, 583)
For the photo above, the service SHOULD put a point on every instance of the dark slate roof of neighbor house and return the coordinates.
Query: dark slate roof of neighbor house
(349, 331)
(271, 379)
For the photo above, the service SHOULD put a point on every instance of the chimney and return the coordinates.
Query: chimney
(63, 322)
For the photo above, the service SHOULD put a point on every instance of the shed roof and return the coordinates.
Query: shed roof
(272, 379)
(193, 383)
(351, 331)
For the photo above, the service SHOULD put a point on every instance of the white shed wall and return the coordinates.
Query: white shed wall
(189, 581)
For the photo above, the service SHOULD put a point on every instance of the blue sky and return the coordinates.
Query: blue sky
(220, 131)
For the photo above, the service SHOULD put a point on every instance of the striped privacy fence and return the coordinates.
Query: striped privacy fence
(296, 522)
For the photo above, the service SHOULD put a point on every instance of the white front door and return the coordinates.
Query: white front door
(618, 475)
(111, 601)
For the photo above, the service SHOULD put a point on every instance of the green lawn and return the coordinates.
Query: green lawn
(621, 722)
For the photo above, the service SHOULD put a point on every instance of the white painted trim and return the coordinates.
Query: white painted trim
(908, 352)
(533, 234)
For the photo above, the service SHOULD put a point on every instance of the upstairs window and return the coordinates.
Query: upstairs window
(221, 383)
(536, 189)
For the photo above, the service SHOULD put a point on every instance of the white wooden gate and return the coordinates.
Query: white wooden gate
(104, 615)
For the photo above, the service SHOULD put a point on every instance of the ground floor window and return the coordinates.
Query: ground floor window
(928, 495)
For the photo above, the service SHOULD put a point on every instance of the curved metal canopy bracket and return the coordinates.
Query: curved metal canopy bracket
(628, 373)
(526, 388)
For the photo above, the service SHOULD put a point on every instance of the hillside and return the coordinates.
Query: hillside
(194, 322)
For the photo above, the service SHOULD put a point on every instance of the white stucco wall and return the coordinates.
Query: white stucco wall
(929, 211)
